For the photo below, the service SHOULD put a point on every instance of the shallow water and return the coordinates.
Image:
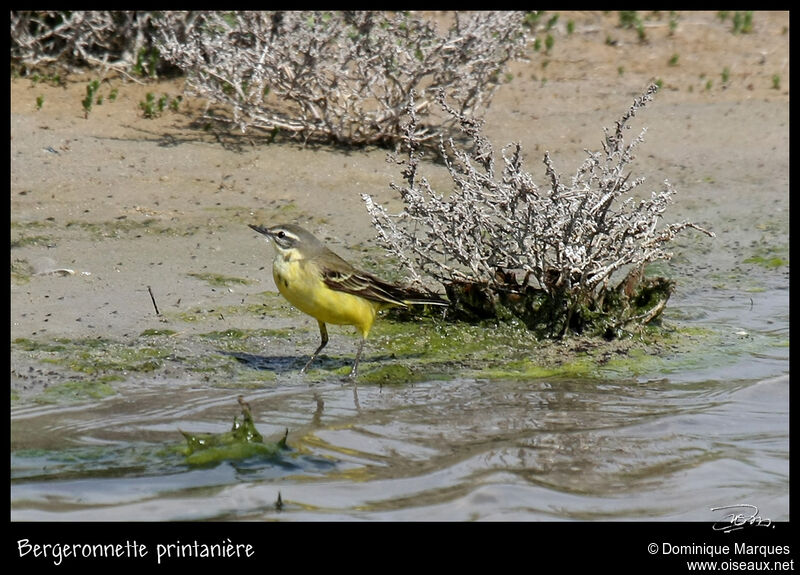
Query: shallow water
(661, 446)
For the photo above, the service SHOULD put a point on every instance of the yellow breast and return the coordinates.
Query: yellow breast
(300, 282)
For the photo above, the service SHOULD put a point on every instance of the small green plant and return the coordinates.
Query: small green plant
(112, 96)
(570, 27)
(737, 23)
(551, 22)
(673, 22)
(537, 44)
(709, 84)
(776, 82)
(153, 108)
(726, 75)
(91, 90)
(146, 62)
(673, 61)
(640, 33)
(620, 70)
(628, 18)
(149, 105)
(722, 15)
(743, 22)
(548, 43)
(659, 83)
(39, 102)
(175, 102)
(52, 79)
(531, 19)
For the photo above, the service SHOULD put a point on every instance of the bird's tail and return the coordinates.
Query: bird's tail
(411, 296)
(426, 300)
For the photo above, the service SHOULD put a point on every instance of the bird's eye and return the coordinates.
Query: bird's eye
(281, 234)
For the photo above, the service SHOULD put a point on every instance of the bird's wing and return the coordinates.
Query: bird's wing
(363, 285)
(369, 287)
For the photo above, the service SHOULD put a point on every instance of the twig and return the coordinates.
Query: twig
(153, 298)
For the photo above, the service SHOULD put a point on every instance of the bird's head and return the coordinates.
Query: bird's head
(289, 238)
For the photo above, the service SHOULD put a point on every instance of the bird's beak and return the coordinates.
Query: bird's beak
(261, 230)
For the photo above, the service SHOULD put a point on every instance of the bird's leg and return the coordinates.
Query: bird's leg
(354, 371)
(323, 332)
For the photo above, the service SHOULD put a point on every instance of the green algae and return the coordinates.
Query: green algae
(102, 359)
(73, 391)
(398, 374)
(769, 256)
(398, 352)
(427, 349)
(45, 346)
(116, 357)
(94, 356)
(21, 270)
(26, 240)
(266, 304)
(243, 441)
(767, 261)
(236, 334)
(418, 348)
(155, 332)
(533, 369)
(231, 333)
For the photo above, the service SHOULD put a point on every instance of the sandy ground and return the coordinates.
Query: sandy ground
(128, 203)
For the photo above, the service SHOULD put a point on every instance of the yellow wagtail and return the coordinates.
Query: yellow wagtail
(320, 283)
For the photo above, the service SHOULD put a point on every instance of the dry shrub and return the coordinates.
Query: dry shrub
(339, 76)
(503, 246)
